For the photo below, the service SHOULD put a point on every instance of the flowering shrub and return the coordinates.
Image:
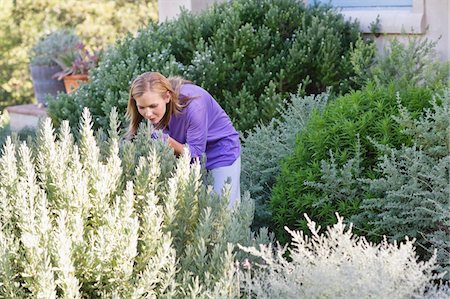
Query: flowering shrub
(336, 264)
(101, 219)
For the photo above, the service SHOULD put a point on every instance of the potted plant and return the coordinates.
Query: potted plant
(76, 65)
(43, 65)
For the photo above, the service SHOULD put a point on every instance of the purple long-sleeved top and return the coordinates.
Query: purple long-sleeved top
(205, 127)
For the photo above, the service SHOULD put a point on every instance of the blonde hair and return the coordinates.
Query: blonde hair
(155, 82)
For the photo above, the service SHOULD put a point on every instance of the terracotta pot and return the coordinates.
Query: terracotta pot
(72, 82)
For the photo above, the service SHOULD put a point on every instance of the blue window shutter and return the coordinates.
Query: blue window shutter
(369, 3)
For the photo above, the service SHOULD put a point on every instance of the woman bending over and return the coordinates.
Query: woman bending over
(188, 116)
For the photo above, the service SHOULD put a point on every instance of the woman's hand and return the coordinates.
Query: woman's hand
(178, 148)
(159, 135)
(175, 145)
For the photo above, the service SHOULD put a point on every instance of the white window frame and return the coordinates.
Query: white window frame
(392, 21)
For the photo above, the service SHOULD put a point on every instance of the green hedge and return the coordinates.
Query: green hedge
(248, 54)
(341, 131)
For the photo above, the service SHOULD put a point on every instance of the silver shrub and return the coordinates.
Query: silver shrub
(132, 221)
(412, 195)
(337, 264)
(102, 219)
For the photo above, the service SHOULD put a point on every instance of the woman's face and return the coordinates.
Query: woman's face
(152, 105)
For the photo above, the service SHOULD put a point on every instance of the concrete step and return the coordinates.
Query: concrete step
(25, 116)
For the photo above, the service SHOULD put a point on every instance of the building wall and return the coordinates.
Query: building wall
(437, 15)
(431, 14)
(436, 27)
(170, 9)
(428, 18)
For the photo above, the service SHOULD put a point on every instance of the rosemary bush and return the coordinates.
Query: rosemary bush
(266, 145)
(414, 63)
(103, 219)
(408, 194)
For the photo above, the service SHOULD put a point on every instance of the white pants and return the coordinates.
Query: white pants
(221, 175)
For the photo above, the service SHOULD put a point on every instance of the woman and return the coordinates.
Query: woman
(188, 116)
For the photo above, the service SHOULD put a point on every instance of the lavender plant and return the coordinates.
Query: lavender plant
(132, 221)
(129, 221)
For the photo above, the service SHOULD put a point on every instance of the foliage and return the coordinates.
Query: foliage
(337, 264)
(23, 135)
(410, 63)
(342, 182)
(4, 126)
(52, 46)
(78, 61)
(100, 219)
(97, 23)
(342, 129)
(14, 87)
(248, 54)
(266, 145)
(411, 195)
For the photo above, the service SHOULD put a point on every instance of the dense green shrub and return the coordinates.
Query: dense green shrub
(266, 145)
(412, 195)
(248, 54)
(97, 23)
(103, 220)
(342, 130)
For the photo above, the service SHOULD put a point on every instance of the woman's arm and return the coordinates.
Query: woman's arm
(177, 147)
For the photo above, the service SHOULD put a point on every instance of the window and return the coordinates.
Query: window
(396, 16)
(371, 4)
